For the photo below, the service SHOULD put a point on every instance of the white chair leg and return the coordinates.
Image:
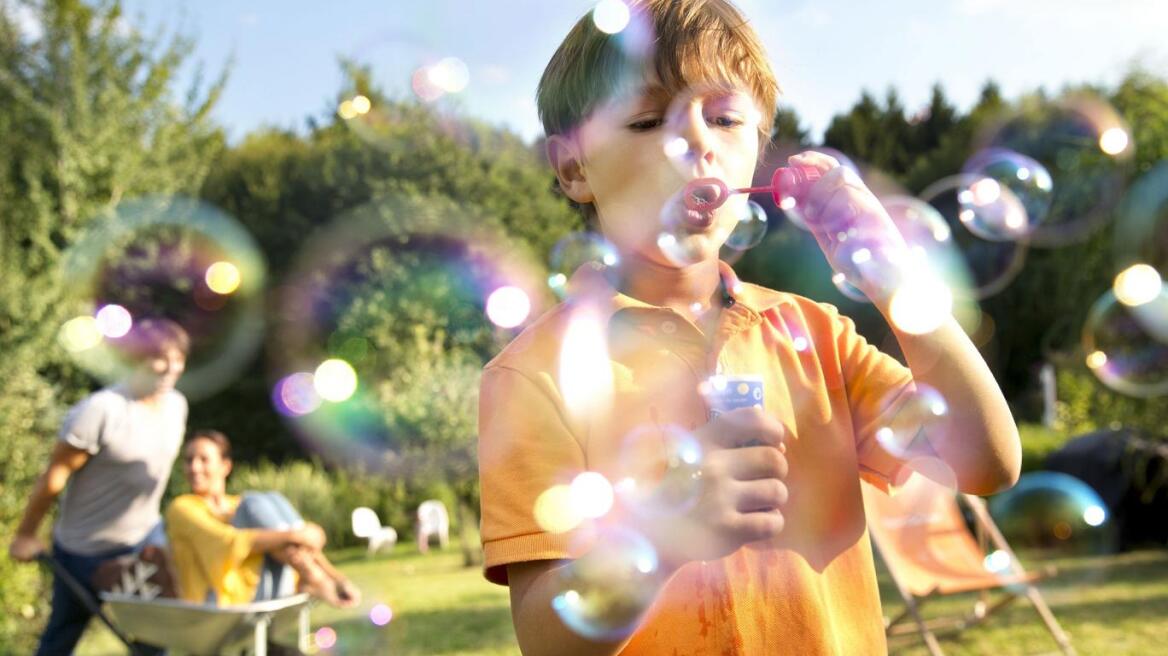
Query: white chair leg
(303, 628)
(261, 636)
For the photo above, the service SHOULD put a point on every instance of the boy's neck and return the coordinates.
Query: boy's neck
(682, 290)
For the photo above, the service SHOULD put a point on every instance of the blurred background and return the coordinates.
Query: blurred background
(348, 208)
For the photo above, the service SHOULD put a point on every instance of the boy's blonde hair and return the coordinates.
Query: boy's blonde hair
(686, 42)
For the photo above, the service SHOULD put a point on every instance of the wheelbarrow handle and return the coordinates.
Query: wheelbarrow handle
(83, 595)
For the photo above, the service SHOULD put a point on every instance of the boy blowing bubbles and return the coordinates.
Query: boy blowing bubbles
(771, 554)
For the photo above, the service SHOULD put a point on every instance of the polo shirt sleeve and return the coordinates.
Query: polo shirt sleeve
(877, 386)
(85, 423)
(525, 447)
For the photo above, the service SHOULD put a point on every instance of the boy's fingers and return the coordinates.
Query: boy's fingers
(752, 526)
(763, 494)
(746, 427)
(757, 462)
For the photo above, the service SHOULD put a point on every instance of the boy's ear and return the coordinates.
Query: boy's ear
(564, 155)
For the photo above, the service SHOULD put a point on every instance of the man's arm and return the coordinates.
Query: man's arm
(64, 461)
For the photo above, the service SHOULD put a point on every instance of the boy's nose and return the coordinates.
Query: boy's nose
(690, 126)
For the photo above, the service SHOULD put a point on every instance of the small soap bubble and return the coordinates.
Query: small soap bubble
(576, 250)
(1126, 346)
(659, 470)
(916, 412)
(751, 227)
(1008, 197)
(1055, 512)
(604, 594)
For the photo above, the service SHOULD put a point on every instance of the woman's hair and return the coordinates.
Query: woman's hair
(218, 439)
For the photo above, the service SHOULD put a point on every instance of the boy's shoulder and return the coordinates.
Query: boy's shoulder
(537, 347)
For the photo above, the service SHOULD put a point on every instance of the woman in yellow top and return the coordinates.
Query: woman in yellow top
(231, 550)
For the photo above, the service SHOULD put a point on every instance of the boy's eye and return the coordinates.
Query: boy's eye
(641, 125)
(726, 121)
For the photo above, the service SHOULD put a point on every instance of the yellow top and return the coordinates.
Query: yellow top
(211, 554)
(813, 590)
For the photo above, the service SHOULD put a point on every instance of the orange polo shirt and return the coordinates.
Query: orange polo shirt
(813, 591)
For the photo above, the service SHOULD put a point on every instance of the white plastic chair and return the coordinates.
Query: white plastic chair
(432, 521)
(366, 525)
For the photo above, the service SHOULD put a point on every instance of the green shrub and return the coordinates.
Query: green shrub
(1039, 441)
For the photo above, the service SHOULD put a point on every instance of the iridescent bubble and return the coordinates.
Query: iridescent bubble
(385, 313)
(1126, 346)
(295, 395)
(910, 415)
(1137, 284)
(1083, 143)
(990, 213)
(610, 16)
(989, 265)
(380, 614)
(508, 307)
(114, 321)
(1141, 228)
(555, 511)
(223, 278)
(751, 226)
(931, 244)
(576, 250)
(591, 494)
(603, 594)
(335, 380)
(1055, 512)
(920, 304)
(659, 470)
(325, 637)
(79, 334)
(845, 287)
(149, 258)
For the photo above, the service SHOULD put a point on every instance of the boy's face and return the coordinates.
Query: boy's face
(637, 152)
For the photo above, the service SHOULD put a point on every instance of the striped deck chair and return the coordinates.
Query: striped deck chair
(928, 549)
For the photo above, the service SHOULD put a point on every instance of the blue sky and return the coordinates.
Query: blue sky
(825, 53)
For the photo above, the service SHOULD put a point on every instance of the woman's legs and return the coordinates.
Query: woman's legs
(273, 511)
(317, 575)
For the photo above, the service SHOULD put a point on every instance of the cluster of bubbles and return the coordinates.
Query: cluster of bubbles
(169, 257)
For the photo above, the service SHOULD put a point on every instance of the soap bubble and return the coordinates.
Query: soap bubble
(659, 470)
(150, 257)
(1126, 346)
(1055, 512)
(602, 595)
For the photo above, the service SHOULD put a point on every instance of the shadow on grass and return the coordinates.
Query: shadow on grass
(447, 631)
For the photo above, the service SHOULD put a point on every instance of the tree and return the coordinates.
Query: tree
(88, 119)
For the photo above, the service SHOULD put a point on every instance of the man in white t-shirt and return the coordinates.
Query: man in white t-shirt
(112, 460)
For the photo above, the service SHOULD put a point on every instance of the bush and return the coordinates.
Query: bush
(1086, 405)
(1038, 441)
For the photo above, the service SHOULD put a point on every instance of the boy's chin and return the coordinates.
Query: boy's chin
(691, 249)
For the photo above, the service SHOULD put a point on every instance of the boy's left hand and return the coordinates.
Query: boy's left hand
(853, 229)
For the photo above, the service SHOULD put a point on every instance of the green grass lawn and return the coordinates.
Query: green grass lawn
(1109, 604)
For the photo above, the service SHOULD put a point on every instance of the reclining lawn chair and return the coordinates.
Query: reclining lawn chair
(929, 551)
(196, 629)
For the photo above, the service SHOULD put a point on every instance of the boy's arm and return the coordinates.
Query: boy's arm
(539, 630)
(978, 439)
(64, 460)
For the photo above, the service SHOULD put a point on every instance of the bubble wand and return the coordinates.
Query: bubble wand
(800, 178)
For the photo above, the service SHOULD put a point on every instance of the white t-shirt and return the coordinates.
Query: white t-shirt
(113, 500)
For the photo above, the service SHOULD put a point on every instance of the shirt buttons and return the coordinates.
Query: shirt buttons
(668, 327)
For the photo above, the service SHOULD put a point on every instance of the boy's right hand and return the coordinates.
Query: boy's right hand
(742, 491)
(25, 548)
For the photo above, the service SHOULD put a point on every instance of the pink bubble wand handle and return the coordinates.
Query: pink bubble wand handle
(708, 194)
